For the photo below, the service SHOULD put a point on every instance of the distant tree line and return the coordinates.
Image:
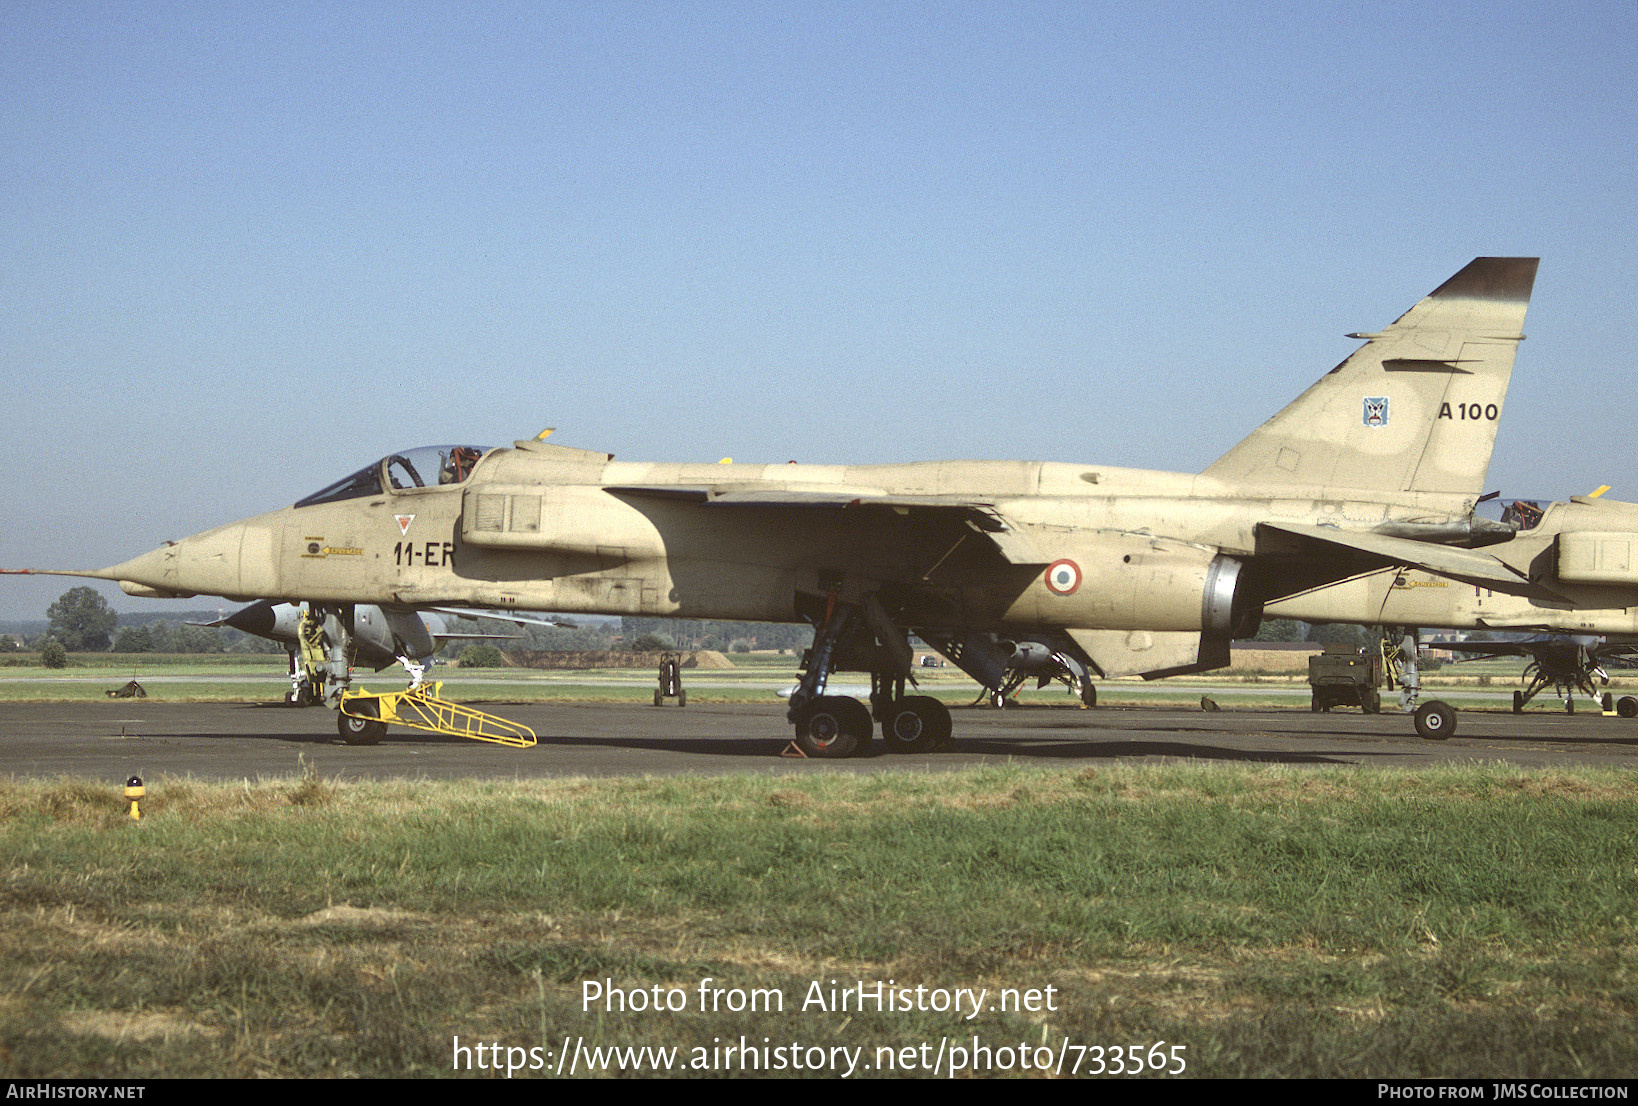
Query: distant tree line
(650, 634)
(556, 639)
(81, 621)
(161, 637)
(646, 634)
(1288, 629)
(640, 635)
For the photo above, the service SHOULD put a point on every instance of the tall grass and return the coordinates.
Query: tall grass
(1470, 921)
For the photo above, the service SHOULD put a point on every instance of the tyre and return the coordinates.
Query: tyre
(1435, 721)
(834, 727)
(361, 727)
(916, 724)
(1089, 695)
(682, 698)
(1518, 702)
(1627, 707)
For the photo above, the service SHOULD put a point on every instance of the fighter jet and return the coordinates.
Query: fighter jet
(1569, 662)
(1578, 561)
(1121, 571)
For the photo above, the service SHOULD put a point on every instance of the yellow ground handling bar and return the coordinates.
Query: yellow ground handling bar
(421, 709)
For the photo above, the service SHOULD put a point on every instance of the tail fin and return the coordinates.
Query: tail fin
(1413, 410)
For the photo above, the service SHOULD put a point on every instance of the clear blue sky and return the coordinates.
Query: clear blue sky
(248, 248)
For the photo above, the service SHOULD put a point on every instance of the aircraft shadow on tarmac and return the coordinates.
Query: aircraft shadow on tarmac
(1047, 740)
(1498, 727)
(1021, 749)
(1048, 746)
(1112, 750)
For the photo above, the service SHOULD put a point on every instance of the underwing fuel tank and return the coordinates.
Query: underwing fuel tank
(1032, 658)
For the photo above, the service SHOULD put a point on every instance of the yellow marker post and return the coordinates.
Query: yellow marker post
(135, 791)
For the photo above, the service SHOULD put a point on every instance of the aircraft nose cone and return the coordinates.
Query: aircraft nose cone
(151, 576)
(234, 561)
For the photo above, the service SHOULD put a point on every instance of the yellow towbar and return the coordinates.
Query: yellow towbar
(365, 717)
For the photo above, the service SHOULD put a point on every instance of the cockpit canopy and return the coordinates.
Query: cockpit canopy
(427, 467)
(1524, 514)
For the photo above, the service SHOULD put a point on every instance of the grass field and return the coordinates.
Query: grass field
(1271, 922)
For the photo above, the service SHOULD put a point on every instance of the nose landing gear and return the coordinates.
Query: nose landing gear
(325, 675)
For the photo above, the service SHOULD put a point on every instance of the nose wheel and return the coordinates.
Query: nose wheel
(1435, 720)
(362, 728)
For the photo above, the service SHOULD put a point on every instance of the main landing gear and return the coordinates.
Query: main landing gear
(860, 636)
(915, 724)
(670, 686)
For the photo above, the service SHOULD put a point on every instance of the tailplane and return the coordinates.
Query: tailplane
(1413, 410)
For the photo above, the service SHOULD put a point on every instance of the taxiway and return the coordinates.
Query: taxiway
(242, 740)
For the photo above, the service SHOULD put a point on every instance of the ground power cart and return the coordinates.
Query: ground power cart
(1345, 676)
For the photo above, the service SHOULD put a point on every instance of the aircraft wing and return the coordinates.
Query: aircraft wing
(980, 515)
(1490, 648)
(795, 495)
(1382, 551)
(1620, 656)
(499, 616)
(1597, 651)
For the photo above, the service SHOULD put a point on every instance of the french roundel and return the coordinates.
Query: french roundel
(1063, 577)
